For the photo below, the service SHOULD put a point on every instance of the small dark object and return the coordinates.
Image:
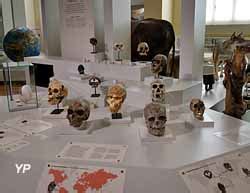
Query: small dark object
(246, 171)
(57, 111)
(51, 187)
(24, 121)
(222, 188)
(81, 69)
(228, 167)
(2, 132)
(116, 116)
(93, 42)
(208, 174)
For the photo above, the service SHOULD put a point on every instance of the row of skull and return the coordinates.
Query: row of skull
(155, 115)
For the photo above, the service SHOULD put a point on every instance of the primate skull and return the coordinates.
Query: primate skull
(198, 108)
(158, 63)
(56, 92)
(94, 81)
(115, 97)
(143, 49)
(78, 112)
(155, 118)
(158, 91)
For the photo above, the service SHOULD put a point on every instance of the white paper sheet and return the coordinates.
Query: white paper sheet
(28, 126)
(81, 179)
(14, 146)
(228, 174)
(94, 152)
(9, 135)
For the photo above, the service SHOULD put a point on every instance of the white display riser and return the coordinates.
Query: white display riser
(120, 71)
(180, 92)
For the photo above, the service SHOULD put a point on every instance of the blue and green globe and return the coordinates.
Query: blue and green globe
(21, 42)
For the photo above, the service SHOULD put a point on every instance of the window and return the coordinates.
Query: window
(227, 11)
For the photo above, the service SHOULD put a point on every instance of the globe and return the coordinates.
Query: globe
(21, 42)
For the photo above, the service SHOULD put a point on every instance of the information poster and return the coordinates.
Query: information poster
(81, 179)
(77, 27)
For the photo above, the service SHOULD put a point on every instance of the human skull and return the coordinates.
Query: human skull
(56, 92)
(198, 108)
(158, 62)
(155, 118)
(94, 81)
(115, 97)
(158, 91)
(78, 112)
(143, 49)
(118, 46)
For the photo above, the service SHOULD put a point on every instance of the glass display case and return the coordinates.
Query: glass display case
(19, 79)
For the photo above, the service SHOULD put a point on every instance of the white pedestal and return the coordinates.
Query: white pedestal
(121, 71)
(166, 80)
(145, 136)
(195, 123)
(124, 120)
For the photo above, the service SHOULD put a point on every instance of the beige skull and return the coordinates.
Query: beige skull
(155, 118)
(158, 63)
(78, 112)
(56, 92)
(158, 91)
(143, 49)
(198, 108)
(115, 97)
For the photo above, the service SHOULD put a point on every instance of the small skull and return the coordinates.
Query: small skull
(158, 91)
(56, 92)
(118, 46)
(198, 108)
(155, 118)
(158, 63)
(94, 81)
(115, 97)
(78, 112)
(143, 49)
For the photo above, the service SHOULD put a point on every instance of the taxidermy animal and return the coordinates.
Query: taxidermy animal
(222, 49)
(160, 37)
(235, 78)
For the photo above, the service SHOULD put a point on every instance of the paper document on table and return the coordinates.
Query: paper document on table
(82, 179)
(94, 152)
(228, 174)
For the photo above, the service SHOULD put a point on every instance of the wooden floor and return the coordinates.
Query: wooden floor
(16, 89)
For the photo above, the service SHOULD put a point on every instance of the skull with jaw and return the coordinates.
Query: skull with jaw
(198, 108)
(158, 63)
(56, 92)
(115, 97)
(155, 118)
(143, 49)
(158, 91)
(78, 112)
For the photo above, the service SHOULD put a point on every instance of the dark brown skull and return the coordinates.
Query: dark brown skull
(198, 108)
(155, 118)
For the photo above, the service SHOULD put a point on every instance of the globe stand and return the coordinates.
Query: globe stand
(95, 95)
(57, 111)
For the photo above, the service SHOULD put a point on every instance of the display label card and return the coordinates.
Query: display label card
(14, 146)
(81, 179)
(94, 152)
(9, 135)
(28, 126)
(228, 174)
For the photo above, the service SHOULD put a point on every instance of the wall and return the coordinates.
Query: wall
(51, 27)
(227, 30)
(176, 17)
(137, 2)
(153, 9)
